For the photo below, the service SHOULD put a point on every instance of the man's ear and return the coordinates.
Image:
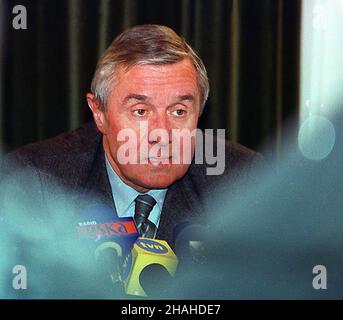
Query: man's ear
(98, 113)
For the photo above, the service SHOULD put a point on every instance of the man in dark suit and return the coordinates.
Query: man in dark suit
(148, 87)
(149, 75)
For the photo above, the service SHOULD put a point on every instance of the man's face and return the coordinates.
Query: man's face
(160, 97)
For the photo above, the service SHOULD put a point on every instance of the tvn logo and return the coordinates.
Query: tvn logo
(152, 246)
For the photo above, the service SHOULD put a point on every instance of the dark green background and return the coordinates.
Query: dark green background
(250, 48)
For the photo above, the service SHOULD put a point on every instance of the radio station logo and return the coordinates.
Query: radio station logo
(106, 229)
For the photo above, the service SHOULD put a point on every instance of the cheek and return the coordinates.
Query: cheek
(112, 137)
(115, 127)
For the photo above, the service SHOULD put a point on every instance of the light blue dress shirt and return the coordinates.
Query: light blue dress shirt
(124, 197)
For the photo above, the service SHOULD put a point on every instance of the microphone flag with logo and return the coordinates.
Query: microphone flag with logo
(110, 238)
(147, 252)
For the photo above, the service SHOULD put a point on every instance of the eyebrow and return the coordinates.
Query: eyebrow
(134, 96)
(188, 97)
(143, 98)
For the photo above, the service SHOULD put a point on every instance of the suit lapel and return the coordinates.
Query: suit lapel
(97, 187)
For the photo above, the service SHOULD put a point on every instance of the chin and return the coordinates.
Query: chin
(158, 182)
(158, 179)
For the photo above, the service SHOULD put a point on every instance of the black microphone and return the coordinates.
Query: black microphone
(190, 242)
(155, 281)
(196, 254)
(147, 271)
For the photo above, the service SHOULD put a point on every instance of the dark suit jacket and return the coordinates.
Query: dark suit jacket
(45, 184)
(75, 160)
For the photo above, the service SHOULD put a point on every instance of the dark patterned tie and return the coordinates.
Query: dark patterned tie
(143, 207)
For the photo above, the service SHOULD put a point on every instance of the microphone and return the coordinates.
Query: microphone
(151, 264)
(190, 243)
(110, 238)
(199, 254)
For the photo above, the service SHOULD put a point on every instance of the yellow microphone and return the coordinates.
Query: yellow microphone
(150, 261)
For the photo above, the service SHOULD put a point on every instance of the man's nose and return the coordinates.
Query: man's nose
(160, 130)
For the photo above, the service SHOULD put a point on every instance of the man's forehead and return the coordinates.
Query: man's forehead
(141, 82)
(182, 69)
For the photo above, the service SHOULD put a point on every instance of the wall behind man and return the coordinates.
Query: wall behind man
(250, 48)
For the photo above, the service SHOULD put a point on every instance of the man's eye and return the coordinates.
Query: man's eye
(140, 112)
(179, 112)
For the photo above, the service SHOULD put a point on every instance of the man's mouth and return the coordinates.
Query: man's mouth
(158, 160)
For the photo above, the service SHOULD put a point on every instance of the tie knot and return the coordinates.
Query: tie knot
(144, 204)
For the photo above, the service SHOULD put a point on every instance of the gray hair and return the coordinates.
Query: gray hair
(145, 45)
